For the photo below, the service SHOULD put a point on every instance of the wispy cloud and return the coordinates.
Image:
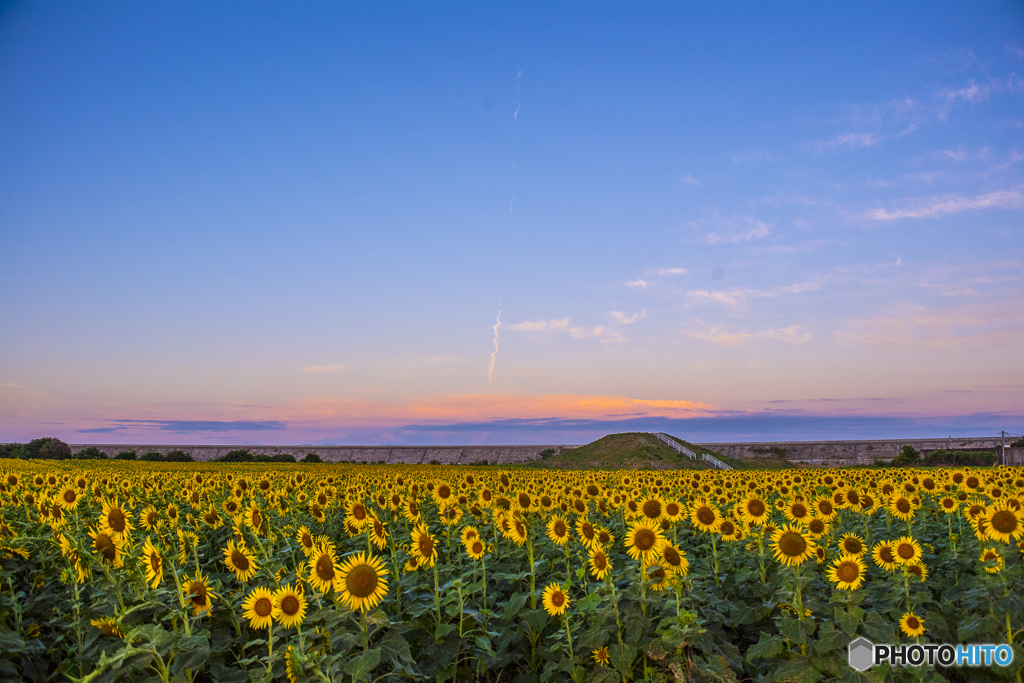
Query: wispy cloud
(637, 284)
(667, 272)
(938, 206)
(717, 334)
(187, 426)
(605, 334)
(916, 327)
(688, 179)
(848, 141)
(627, 318)
(560, 324)
(1015, 50)
(741, 296)
(322, 369)
(755, 229)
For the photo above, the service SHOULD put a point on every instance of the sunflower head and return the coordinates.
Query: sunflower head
(790, 546)
(555, 600)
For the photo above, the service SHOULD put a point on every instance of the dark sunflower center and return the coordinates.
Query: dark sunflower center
(290, 605)
(913, 623)
(70, 496)
(560, 528)
(362, 581)
(198, 591)
(1004, 522)
(792, 544)
(426, 545)
(755, 508)
(592, 490)
(105, 545)
(816, 526)
(558, 598)
(600, 561)
(852, 546)
(727, 528)
(886, 554)
(706, 516)
(154, 562)
(652, 509)
(325, 568)
(903, 505)
(644, 539)
(848, 572)
(972, 482)
(478, 547)
(263, 607)
(240, 561)
(116, 520)
(588, 530)
(671, 556)
(798, 510)
(905, 550)
(524, 500)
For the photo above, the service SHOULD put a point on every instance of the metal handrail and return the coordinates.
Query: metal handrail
(716, 462)
(661, 436)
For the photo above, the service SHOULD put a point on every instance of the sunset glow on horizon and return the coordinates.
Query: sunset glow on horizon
(372, 223)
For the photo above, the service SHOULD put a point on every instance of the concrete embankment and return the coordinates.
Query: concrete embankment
(413, 455)
(845, 453)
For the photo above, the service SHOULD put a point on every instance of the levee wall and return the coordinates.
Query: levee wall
(413, 455)
(845, 453)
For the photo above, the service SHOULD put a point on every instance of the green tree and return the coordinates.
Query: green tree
(312, 457)
(90, 453)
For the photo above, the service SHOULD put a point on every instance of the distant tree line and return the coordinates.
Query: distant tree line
(54, 449)
(909, 457)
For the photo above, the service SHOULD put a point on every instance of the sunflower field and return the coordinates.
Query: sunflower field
(123, 571)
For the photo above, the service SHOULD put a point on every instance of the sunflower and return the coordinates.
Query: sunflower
(796, 511)
(825, 509)
(558, 530)
(107, 547)
(901, 507)
(949, 504)
(816, 527)
(603, 537)
(1004, 523)
(424, 548)
(586, 531)
(240, 560)
(884, 555)
(911, 624)
(907, 550)
(255, 520)
(730, 530)
(555, 600)
(705, 516)
(378, 533)
(917, 569)
(197, 592)
(847, 572)
(172, 514)
(652, 508)
(362, 581)
(289, 606)
(324, 570)
(412, 564)
(642, 539)
(674, 511)
(212, 518)
(114, 520)
(754, 511)
(68, 497)
(305, 538)
(469, 533)
(852, 544)
(475, 548)
(790, 546)
(356, 514)
(154, 563)
(517, 530)
(600, 565)
(673, 559)
(600, 656)
(109, 626)
(443, 495)
(258, 608)
(658, 576)
(994, 563)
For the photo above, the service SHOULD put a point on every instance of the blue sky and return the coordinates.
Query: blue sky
(222, 217)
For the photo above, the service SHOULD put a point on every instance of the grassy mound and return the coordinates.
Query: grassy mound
(632, 450)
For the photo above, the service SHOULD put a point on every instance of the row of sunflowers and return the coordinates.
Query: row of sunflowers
(117, 571)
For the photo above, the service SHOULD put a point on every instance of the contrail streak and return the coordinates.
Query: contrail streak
(494, 354)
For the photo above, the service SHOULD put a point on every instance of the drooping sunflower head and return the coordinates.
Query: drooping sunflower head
(196, 592)
(107, 546)
(305, 538)
(323, 568)
(423, 547)
(917, 569)
(154, 563)
(673, 559)
(600, 565)
(993, 561)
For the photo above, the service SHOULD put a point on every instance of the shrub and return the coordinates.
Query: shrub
(260, 457)
(178, 456)
(90, 453)
(282, 457)
(907, 456)
(312, 457)
(237, 455)
(48, 448)
(126, 455)
(960, 458)
(1019, 443)
(546, 453)
(152, 456)
(12, 450)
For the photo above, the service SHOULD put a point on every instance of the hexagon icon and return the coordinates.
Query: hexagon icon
(862, 654)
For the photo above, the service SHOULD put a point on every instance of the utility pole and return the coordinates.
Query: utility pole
(1002, 446)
